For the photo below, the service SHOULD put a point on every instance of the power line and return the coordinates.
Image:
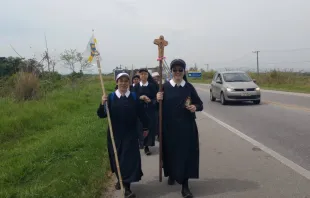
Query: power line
(230, 61)
(287, 50)
(286, 62)
(16, 52)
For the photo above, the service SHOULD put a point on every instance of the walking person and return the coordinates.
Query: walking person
(136, 80)
(180, 134)
(146, 91)
(156, 78)
(125, 109)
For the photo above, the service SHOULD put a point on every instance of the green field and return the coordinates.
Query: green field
(54, 146)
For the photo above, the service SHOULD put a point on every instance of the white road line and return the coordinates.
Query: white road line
(287, 93)
(274, 154)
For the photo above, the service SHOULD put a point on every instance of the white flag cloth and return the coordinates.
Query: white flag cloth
(92, 50)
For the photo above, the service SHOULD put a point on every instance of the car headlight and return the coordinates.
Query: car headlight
(257, 89)
(229, 89)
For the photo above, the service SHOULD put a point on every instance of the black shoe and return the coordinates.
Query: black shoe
(147, 151)
(117, 186)
(187, 193)
(129, 194)
(171, 181)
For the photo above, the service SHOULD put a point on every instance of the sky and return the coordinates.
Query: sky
(220, 33)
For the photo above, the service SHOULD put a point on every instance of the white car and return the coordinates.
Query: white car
(234, 86)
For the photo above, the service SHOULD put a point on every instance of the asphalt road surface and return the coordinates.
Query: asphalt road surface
(246, 151)
(281, 122)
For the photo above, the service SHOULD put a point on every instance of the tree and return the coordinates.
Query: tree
(31, 66)
(53, 64)
(84, 64)
(69, 57)
(9, 66)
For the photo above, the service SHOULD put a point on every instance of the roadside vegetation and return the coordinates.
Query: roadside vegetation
(274, 80)
(52, 144)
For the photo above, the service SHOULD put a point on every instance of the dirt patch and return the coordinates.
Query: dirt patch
(109, 190)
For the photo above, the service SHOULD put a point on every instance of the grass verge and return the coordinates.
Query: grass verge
(54, 147)
(273, 80)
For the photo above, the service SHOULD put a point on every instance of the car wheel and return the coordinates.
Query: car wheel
(256, 101)
(223, 101)
(212, 98)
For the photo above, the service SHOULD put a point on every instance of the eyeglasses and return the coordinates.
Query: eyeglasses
(177, 70)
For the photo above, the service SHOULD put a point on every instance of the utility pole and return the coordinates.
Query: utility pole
(196, 68)
(207, 67)
(257, 64)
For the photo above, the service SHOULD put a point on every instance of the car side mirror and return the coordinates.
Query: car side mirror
(254, 80)
(219, 82)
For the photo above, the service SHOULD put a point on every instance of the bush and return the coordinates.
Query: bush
(26, 86)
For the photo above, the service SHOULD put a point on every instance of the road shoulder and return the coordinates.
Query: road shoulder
(229, 167)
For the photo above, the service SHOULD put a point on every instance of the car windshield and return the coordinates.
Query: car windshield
(236, 77)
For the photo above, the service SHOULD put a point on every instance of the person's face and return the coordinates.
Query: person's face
(136, 80)
(177, 72)
(156, 78)
(143, 76)
(123, 83)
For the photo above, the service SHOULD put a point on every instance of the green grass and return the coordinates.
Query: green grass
(54, 147)
(283, 81)
(199, 80)
(287, 87)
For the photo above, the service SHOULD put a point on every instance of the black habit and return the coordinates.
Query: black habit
(139, 125)
(180, 132)
(124, 112)
(150, 90)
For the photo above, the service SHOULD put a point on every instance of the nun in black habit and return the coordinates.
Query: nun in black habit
(125, 109)
(146, 91)
(180, 133)
(136, 80)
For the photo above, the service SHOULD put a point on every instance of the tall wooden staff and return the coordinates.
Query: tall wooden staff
(111, 130)
(161, 43)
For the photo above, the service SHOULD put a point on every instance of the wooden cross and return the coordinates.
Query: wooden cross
(161, 43)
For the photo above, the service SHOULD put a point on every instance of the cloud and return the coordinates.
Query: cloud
(201, 31)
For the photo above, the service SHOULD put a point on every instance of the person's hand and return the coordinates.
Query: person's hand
(142, 97)
(191, 108)
(147, 99)
(159, 96)
(145, 133)
(104, 99)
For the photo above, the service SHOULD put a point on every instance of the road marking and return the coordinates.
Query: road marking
(274, 154)
(287, 93)
(296, 107)
(270, 91)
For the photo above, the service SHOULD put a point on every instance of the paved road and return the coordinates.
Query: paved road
(285, 98)
(281, 122)
(246, 151)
